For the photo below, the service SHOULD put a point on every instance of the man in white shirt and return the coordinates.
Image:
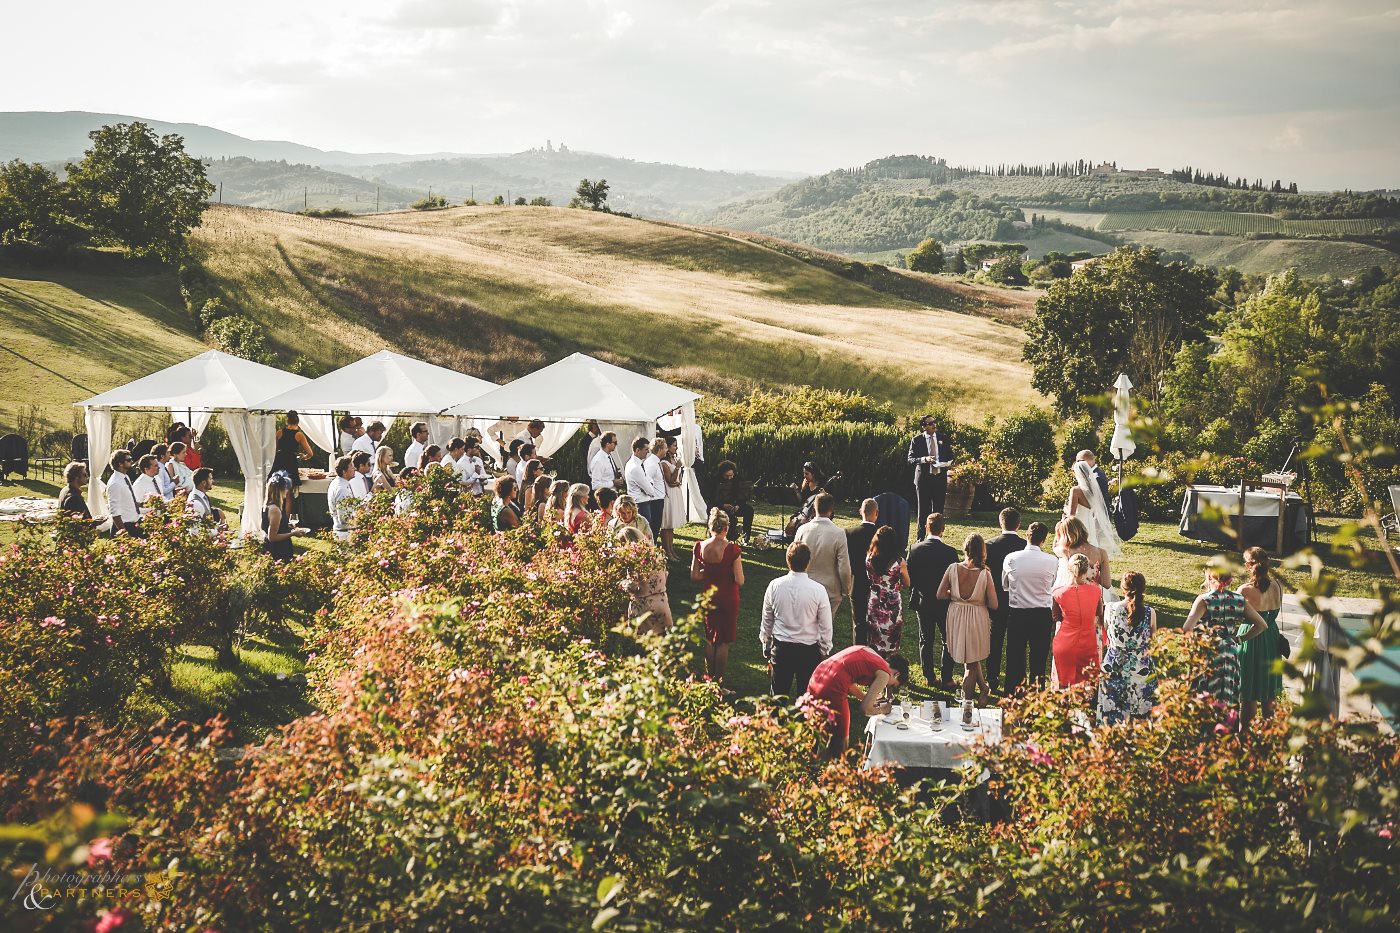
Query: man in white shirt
(341, 499)
(595, 441)
(362, 483)
(1028, 576)
(121, 497)
(369, 441)
(419, 433)
(647, 494)
(603, 471)
(658, 479)
(532, 432)
(527, 453)
(796, 629)
(147, 485)
(199, 502)
(831, 556)
(470, 467)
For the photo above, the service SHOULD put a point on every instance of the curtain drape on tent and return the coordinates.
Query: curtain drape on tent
(99, 432)
(556, 434)
(254, 439)
(319, 429)
(692, 446)
(196, 419)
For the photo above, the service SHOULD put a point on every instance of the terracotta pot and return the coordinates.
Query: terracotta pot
(959, 498)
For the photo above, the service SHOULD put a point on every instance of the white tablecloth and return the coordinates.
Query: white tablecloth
(924, 746)
(1256, 501)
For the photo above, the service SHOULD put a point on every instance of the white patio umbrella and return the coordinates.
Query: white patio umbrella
(1122, 445)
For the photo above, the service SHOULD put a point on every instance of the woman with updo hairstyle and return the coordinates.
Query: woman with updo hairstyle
(1071, 538)
(971, 594)
(1219, 614)
(716, 565)
(1261, 674)
(1078, 609)
(1127, 689)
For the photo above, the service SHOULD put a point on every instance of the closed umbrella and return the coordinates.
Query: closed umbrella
(1122, 445)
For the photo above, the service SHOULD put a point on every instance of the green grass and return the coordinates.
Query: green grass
(1312, 258)
(1229, 223)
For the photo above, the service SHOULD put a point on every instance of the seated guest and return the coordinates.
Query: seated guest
(121, 495)
(403, 501)
(503, 517)
(648, 592)
(165, 475)
(199, 502)
(536, 495)
(418, 434)
(383, 473)
(147, 486)
(625, 515)
(369, 441)
(184, 475)
(576, 517)
(813, 484)
(530, 472)
(605, 497)
(190, 439)
(795, 632)
(340, 498)
(292, 447)
(856, 672)
(75, 475)
(735, 497)
(362, 483)
(603, 469)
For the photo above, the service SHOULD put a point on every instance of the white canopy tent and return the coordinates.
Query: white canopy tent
(567, 394)
(383, 385)
(196, 389)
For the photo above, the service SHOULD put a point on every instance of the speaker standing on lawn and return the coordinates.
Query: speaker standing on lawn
(930, 454)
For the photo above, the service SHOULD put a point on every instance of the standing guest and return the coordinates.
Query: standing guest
(1004, 544)
(471, 468)
(531, 472)
(1079, 611)
(1220, 612)
(452, 453)
(531, 433)
(537, 495)
(647, 589)
(121, 495)
(969, 620)
(576, 517)
(370, 440)
(795, 632)
(200, 504)
(887, 574)
(716, 564)
(1071, 538)
(1127, 689)
(857, 543)
(526, 457)
(673, 507)
(813, 484)
(930, 453)
(277, 527)
(430, 457)
(293, 447)
(165, 475)
(340, 498)
(147, 487)
(512, 464)
(418, 434)
(652, 465)
(647, 494)
(362, 483)
(595, 443)
(605, 498)
(735, 496)
(831, 562)
(1028, 579)
(1261, 680)
(383, 474)
(184, 476)
(855, 672)
(503, 517)
(182, 433)
(403, 499)
(347, 435)
(626, 515)
(603, 471)
(554, 507)
(70, 500)
(928, 564)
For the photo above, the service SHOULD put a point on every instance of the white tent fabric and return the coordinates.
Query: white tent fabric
(383, 386)
(568, 393)
(208, 383)
(253, 438)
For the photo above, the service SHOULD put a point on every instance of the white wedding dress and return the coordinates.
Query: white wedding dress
(1098, 524)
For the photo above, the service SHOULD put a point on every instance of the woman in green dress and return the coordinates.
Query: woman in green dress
(1261, 678)
(1220, 612)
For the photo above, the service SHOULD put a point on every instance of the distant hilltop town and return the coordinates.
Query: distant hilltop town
(1111, 170)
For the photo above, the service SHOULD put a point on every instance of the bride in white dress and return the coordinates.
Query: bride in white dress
(1085, 505)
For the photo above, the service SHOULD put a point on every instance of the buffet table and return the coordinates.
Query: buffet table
(1263, 523)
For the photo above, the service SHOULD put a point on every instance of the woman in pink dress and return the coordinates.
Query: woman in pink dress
(717, 566)
(968, 586)
(1078, 608)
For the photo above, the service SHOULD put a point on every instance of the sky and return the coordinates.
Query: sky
(1301, 91)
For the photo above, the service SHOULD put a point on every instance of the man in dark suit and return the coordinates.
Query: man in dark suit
(929, 453)
(1008, 542)
(929, 559)
(858, 544)
(1100, 477)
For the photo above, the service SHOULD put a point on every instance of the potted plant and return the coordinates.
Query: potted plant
(963, 483)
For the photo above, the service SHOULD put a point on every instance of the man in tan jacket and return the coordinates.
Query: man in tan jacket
(831, 559)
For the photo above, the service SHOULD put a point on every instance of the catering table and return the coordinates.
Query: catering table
(927, 744)
(312, 509)
(1261, 517)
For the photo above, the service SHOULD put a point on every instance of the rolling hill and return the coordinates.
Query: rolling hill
(498, 292)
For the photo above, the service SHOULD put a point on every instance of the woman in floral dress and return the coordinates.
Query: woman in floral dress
(888, 575)
(1126, 689)
(1220, 612)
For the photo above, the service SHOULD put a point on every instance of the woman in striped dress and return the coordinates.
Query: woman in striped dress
(1220, 612)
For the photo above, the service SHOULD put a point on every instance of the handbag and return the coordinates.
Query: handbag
(1285, 650)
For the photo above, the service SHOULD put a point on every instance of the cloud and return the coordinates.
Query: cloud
(448, 14)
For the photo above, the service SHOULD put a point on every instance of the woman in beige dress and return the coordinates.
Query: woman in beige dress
(968, 587)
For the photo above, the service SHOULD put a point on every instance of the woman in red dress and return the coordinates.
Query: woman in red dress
(855, 672)
(716, 564)
(1078, 608)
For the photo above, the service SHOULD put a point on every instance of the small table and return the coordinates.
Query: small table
(311, 506)
(926, 744)
(1276, 519)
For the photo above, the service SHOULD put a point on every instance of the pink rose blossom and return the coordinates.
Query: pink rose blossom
(113, 919)
(53, 620)
(99, 850)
